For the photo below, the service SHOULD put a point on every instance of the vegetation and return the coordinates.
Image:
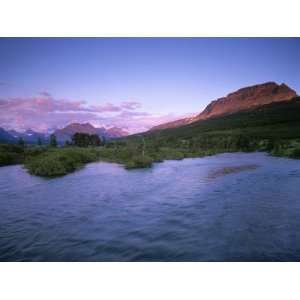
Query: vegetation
(61, 161)
(11, 154)
(21, 142)
(274, 129)
(57, 162)
(15, 154)
(53, 142)
(85, 140)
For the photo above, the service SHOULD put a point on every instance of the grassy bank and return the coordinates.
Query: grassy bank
(61, 161)
(15, 154)
(11, 154)
(51, 162)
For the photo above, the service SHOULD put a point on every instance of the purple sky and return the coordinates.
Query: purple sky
(134, 83)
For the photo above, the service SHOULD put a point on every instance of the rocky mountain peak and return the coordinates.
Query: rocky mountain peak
(247, 98)
(243, 99)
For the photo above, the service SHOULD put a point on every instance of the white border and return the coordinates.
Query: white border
(246, 281)
(149, 18)
(149, 280)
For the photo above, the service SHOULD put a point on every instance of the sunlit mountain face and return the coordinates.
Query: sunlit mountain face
(246, 98)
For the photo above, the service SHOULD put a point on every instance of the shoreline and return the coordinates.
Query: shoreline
(79, 166)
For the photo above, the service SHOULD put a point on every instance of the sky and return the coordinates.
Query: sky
(133, 83)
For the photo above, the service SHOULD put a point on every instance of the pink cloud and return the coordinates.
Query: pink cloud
(39, 104)
(44, 111)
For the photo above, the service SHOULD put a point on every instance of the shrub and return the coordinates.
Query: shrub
(57, 162)
(11, 154)
(139, 162)
(295, 153)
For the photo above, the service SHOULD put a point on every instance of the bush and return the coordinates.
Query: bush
(57, 162)
(11, 154)
(47, 166)
(139, 162)
(295, 153)
(8, 158)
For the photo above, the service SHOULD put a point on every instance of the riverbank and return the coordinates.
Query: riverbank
(52, 162)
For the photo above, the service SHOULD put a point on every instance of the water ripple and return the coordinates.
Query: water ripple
(230, 207)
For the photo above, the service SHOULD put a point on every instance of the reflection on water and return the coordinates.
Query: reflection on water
(231, 169)
(229, 207)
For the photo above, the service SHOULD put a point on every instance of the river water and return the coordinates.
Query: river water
(228, 207)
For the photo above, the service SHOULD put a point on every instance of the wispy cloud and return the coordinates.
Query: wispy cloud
(130, 105)
(44, 111)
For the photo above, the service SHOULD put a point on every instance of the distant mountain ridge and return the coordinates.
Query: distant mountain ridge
(29, 136)
(62, 135)
(246, 98)
(6, 137)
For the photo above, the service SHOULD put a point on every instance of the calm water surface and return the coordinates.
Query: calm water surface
(229, 207)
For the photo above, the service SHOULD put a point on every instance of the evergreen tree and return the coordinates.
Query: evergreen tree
(85, 140)
(39, 141)
(21, 142)
(53, 142)
(95, 140)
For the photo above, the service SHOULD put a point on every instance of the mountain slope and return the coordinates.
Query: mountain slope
(241, 100)
(277, 120)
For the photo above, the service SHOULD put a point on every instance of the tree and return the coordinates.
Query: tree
(103, 140)
(242, 142)
(141, 146)
(95, 140)
(39, 141)
(53, 142)
(85, 140)
(21, 142)
(79, 139)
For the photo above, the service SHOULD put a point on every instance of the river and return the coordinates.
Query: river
(228, 207)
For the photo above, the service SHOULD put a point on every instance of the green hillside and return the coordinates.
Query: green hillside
(273, 120)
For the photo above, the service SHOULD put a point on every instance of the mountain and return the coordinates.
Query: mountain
(6, 137)
(272, 128)
(241, 100)
(277, 121)
(29, 136)
(62, 135)
(66, 133)
(115, 132)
